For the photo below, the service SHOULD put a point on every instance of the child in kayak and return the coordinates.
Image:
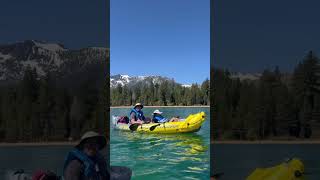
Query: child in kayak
(158, 118)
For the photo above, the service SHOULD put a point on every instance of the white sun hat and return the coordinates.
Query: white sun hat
(138, 104)
(92, 137)
(157, 112)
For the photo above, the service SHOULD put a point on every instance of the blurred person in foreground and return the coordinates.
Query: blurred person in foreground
(85, 162)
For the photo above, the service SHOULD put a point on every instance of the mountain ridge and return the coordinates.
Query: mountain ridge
(45, 57)
(122, 80)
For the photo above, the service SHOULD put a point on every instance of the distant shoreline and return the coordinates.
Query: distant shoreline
(267, 142)
(114, 107)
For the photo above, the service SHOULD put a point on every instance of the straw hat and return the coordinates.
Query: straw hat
(92, 136)
(157, 112)
(138, 104)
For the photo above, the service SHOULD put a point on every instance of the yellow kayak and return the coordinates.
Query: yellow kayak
(290, 170)
(191, 124)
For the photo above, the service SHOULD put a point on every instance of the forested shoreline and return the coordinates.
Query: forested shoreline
(53, 108)
(167, 93)
(275, 106)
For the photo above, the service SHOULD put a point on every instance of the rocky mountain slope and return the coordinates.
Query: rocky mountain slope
(45, 57)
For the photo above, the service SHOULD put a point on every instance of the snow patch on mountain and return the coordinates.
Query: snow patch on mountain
(4, 57)
(45, 57)
(34, 64)
(142, 77)
(98, 48)
(186, 85)
(246, 76)
(49, 46)
(123, 80)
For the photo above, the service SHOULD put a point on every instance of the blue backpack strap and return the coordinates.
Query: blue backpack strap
(141, 116)
(135, 112)
(89, 165)
(102, 163)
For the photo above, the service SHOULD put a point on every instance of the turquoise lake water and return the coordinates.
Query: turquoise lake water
(169, 156)
(237, 161)
(153, 156)
(31, 158)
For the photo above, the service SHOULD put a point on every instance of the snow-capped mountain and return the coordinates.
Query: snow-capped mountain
(186, 85)
(245, 76)
(45, 57)
(122, 80)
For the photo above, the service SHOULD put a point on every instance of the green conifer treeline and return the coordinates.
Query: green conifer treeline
(274, 106)
(277, 105)
(167, 93)
(43, 109)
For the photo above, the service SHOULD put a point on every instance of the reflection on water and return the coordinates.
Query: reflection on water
(180, 144)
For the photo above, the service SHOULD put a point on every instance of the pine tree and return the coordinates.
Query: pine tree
(305, 88)
(205, 88)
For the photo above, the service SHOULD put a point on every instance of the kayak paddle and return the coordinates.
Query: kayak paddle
(153, 127)
(134, 127)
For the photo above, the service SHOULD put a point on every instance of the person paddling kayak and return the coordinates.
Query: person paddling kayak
(158, 118)
(85, 162)
(136, 114)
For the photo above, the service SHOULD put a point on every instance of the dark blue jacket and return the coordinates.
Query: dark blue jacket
(157, 118)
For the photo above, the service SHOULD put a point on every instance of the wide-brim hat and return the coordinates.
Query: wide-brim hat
(157, 112)
(92, 137)
(138, 104)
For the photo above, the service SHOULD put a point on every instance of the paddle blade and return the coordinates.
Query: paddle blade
(134, 127)
(153, 127)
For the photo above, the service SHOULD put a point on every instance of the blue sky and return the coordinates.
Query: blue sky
(252, 35)
(74, 23)
(161, 37)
